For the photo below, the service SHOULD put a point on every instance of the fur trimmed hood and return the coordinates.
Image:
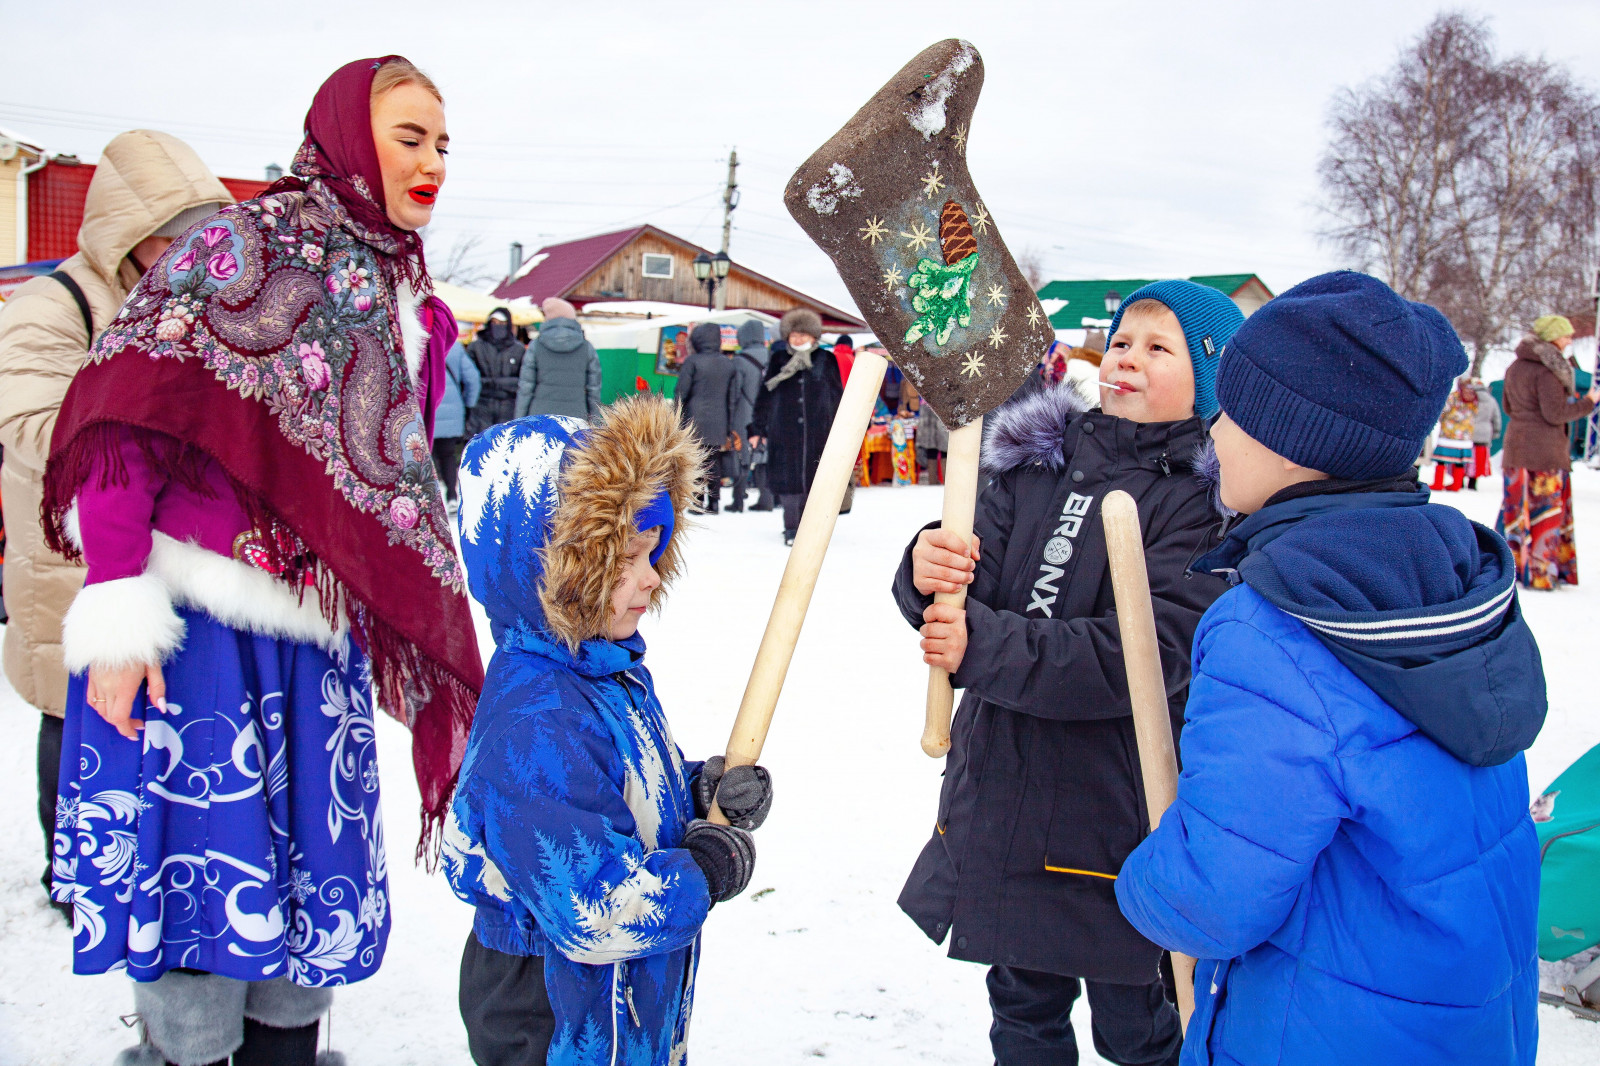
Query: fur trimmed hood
(1033, 429)
(549, 503)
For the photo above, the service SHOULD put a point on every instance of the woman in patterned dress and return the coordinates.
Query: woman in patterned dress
(1454, 448)
(244, 465)
(1541, 401)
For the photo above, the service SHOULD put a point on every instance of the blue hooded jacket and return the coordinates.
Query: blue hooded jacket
(1350, 855)
(573, 797)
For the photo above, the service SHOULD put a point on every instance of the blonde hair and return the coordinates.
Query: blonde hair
(1146, 306)
(400, 71)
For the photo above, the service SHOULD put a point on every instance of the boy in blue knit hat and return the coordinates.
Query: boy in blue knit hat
(1350, 855)
(577, 826)
(1041, 798)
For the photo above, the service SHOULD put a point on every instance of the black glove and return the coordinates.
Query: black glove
(744, 793)
(724, 853)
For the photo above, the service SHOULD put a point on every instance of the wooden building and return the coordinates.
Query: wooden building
(646, 263)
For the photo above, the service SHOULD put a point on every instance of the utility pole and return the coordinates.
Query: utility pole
(730, 200)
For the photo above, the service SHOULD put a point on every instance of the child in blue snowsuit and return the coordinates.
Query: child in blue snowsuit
(1350, 856)
(577, 828)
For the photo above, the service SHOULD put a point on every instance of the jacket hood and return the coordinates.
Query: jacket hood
(561, 335)
(548, 505)
(144, 179)
(1033, 429)
(753, 341)
(1419, 602)
(706, 337)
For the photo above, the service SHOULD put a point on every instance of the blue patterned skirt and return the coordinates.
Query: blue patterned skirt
(242, 835)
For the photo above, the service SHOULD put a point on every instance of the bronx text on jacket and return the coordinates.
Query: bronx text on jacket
(1058, 552)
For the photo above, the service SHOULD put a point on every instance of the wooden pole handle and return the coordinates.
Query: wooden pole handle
(788, 615)
(1141, 654)
(960, 502)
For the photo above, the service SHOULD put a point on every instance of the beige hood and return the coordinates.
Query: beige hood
(143, 180)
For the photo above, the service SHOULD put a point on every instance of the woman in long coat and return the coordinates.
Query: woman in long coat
(243, 463)
(1541, 401)
(794, 412)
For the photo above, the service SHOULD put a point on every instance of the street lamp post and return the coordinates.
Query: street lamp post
(710, 270)
(1113, 301)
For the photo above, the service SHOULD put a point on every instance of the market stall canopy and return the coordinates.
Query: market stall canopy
(644, 335)
(474, 307)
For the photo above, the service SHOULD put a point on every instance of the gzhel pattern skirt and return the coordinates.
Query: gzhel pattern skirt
(241, 835)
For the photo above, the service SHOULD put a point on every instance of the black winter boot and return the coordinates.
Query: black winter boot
(265, 1045)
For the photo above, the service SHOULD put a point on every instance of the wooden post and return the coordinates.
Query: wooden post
(960, 501)
(838, 462)
(1152, 726)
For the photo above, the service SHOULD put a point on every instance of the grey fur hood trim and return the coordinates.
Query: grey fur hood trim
(1030, 430)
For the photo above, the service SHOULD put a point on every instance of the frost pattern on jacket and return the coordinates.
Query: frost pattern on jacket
(573, 797)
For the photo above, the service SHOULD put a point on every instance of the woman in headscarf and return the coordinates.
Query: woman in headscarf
(243, 463)
(1541, 400)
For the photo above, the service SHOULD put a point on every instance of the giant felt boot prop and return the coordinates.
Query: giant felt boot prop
(889, 198)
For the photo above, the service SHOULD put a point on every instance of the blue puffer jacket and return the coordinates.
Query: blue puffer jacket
(462, 383)
(573, 797)
(1350, 856)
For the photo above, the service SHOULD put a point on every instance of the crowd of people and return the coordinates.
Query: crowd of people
(223, 592)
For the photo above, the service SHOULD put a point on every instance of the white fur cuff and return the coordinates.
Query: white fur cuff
(121, 623)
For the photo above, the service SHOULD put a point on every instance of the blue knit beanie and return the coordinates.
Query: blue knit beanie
(1341, 374)
(1207, 317)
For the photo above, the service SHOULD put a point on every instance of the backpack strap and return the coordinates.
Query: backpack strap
(78, 298)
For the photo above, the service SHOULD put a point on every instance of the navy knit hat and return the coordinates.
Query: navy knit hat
(1207, 318)
(1341, 374)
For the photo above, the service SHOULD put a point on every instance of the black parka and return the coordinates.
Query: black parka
(500, 367)
(1042, 799)
(708, 394)
(795, 418)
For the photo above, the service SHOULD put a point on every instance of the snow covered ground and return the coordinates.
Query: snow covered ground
(814, 961)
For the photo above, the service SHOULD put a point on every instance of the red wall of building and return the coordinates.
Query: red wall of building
(55, 206)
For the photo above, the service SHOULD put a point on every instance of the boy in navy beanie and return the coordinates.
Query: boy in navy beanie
(1350, 855)
(1041, 803)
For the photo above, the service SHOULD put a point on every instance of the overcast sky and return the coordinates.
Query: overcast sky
(1153, 139)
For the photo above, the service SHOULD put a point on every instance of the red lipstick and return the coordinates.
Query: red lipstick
(423, 194)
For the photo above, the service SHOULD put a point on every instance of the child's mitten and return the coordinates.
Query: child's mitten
(725, 854)
(744, 793)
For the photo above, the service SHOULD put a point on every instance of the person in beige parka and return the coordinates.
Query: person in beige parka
(147, 189)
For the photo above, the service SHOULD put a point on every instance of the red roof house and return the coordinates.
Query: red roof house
(646, 263)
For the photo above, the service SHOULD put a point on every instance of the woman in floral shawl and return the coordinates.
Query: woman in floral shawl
(244, 464)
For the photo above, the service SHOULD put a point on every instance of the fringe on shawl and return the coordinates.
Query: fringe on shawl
(412, 688)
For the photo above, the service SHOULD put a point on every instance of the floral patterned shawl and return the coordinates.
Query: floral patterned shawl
(268, 340)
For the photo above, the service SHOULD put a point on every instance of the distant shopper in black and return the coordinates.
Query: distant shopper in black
(795, 410)
(707, 393)
(498, 355)
(749, 367)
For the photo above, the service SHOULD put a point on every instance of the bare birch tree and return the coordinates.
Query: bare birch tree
(1467, 181)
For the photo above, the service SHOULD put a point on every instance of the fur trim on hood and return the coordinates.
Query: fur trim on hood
(549, 503)
(638, 449)
(1535, 350)
(1032, 430)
